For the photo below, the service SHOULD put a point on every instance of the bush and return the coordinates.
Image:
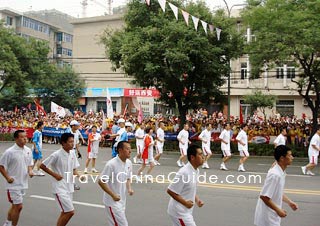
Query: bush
(6, 137)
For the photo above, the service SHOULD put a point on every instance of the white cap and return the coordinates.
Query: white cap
(74, 123)
(128, 124)
(121, 120)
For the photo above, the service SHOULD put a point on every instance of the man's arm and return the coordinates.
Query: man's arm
(293, 205)
(272, 205)
(108, 190)
(55, 175)
(178, 198)
(199, 202)
(5, 175)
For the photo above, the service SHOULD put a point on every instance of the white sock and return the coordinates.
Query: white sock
(7, 223)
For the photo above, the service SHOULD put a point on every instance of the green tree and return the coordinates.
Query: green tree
(260, 101)
(186, 66)
(288, 31)
(25, 72)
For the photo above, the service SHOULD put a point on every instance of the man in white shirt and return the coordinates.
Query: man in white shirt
(269, 207)
(139, 135)
(62, 165)
(15, 166)
(242, 140)
(159, 143)
(225, 138)
(115, 181)
(183, 138)
(183, 189)
(94, 139)
(313, 153)
(281, 138)
(205, 137)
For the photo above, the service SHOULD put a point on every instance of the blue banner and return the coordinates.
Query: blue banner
(57, 132)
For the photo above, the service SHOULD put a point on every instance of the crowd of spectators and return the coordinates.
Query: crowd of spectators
(298, 129)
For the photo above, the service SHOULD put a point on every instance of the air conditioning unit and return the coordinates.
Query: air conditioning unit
(59, 42)
(58, 55)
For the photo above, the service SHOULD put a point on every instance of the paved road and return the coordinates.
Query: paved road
(225, 204)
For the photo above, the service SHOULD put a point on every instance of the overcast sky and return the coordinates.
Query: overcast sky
(94, 8)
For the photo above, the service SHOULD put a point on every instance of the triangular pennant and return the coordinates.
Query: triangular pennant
(218, 30)
(211, 28)
(195, 22)
(185, 16)
(163, 4)
(174, 9)
(148, 2)
(205, 26)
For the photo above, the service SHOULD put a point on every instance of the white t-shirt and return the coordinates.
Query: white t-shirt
(184, 137)
(205, 135)
(160, 135)
(186, 190)
(62, 163)
(242, 136)
(273, 188)
(225, 135)
(120, 132)
(76, 136)
(139, 133)
(16, 160)
(95, 143)
(315, 140)
(280, 140)
(117, 172)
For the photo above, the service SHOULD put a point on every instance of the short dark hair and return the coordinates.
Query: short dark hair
(17, 132)
(243, 125)
(94, 126)
(121, 145)
(65, 137)
(283, 128)
(281, 150)
(192, 151)
(39, 124)
(148, 129)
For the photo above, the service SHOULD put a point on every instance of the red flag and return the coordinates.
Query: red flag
(241, 116)
(39, 108)
(125, 111)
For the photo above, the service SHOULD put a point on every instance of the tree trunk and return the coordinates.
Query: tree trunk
(314, 119)
(182, 111)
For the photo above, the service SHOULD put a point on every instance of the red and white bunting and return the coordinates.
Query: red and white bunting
(148, 2)
(218, 30)
(174, 9)
(205, 26)
(185, 16)
(211, 28)
(195, 22)
(163, 4)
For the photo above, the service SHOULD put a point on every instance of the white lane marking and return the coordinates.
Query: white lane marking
(288, 175)
(74, 202)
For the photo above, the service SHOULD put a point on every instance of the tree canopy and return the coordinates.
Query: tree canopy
(26, 73)
(288, 31)
(185, 65)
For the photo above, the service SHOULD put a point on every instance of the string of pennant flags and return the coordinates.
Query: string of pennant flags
(186, 17)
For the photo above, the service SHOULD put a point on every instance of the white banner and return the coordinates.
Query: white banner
(205, 26)
(148, 2)
(57, 109)
(185, 16)
(109, 106)
(195, 22)
(218, 30)
(163, 4)
(174, 9)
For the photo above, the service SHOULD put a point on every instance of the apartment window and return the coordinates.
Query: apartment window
(9, 21)
(244, 70)
(67, 38)
(290, 72)
(103, 105)
(247, 109)
(285, 107)
(59, 37)
(35, 25)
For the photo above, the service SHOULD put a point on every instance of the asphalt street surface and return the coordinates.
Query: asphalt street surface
(230, 197)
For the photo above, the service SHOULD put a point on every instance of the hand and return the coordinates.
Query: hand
(79, 155)
(282, 213)
(82, 178)
(116, 198)
(31, 174)
(130, 192)
(10, 180)
(200, 203)
(293, 205)
(189, 204)
(58, 178)
(189, 142)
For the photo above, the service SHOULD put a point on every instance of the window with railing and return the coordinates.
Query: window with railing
(9, 21)
(35, 25)
(244, 70)
(285, 107)
(291, 73)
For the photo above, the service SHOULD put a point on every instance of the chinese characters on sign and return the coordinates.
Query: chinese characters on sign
(141, 93)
